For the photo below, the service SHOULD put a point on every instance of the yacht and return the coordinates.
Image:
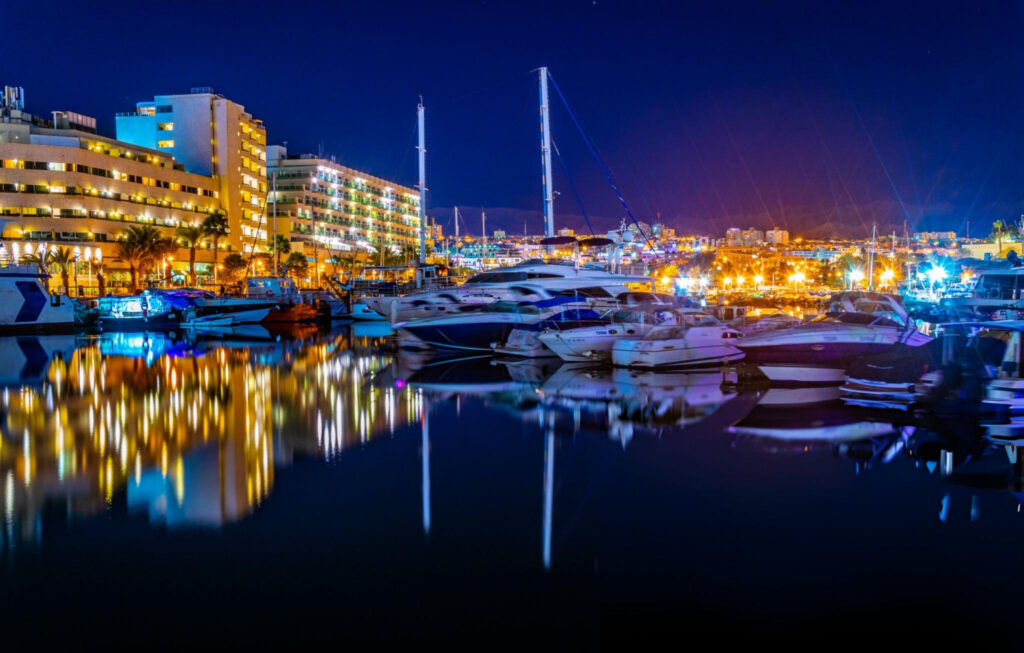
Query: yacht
(26, 306)
(821, 350)
(480, 330)
(593, 342)
(515, 283)
(698, 340)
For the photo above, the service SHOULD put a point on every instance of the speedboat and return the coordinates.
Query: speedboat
(480, 330)
(820, 351)
(700, 340)
(593, 342)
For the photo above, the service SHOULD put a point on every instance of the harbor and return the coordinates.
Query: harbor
(576, 326)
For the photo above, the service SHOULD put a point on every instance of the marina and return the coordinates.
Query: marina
(576, 326)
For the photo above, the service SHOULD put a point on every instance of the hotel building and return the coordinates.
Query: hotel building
(63, 185)
(343, 209)
(212, 136)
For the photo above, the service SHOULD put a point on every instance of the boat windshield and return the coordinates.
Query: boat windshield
(699, 319)
(631, 317)
(511, 307)
(867, 319)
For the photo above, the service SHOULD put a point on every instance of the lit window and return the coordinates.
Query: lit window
(165, 126)
(167, 143)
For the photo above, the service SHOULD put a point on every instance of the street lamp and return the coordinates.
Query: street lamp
(855, 277)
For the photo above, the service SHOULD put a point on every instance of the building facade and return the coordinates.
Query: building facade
(70, 187)
(777, 237)
(330, 211)
(212, 136)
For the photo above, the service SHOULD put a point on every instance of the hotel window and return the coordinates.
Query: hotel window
(167, 143)
(165, 126)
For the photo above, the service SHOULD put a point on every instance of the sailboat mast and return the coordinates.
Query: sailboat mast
(545, 148)
(871, 260)
(422, 147)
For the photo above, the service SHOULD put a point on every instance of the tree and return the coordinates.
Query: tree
(191, 237)
(281, 245)
(234, 264)
(101, 277)
(140, 246)
(296, 266)
(215, 227)
(64, 260)
(998, 228)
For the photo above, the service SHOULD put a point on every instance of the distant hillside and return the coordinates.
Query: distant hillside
(850, 221)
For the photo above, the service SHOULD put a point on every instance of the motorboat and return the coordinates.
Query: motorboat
(530, 281)
(889, 380)
(155, 310)
(525, 340)
(26, 306)
(699, 340)
(480, 330)
(593, 342)
(821, 350)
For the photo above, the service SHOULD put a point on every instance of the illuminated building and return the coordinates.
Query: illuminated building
(211, 136)
(777, 237)
(351, 210)
(65, 185)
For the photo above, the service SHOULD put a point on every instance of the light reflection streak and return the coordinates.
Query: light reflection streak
(187, 438)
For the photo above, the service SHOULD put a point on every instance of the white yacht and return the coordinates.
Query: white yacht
(515, 283)
(820, 351)
(26, 306)
(698, 340)
(483, 329)
(594, 342)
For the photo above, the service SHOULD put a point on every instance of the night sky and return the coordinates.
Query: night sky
(821, 117)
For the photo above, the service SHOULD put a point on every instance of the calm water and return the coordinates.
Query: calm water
(235, 488)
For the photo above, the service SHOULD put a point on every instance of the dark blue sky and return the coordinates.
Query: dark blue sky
(817, 116)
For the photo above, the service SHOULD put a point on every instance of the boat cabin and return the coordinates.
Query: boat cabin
(270, 288)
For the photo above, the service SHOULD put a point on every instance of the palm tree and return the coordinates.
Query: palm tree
(297, 266)
(215, 226)
(281, 246)
(64, 259)
(999, 228)
(191, 236)
(234, 263)
(140, 246)
(101, 278)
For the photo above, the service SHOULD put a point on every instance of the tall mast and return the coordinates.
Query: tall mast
(273, 239)
(483, 233)
(545, 148)
(871, 261)
(316, 247)
(423, 183)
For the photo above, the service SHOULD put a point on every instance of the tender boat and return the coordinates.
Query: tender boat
(700, 340)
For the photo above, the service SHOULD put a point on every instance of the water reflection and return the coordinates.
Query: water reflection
(190, 426)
